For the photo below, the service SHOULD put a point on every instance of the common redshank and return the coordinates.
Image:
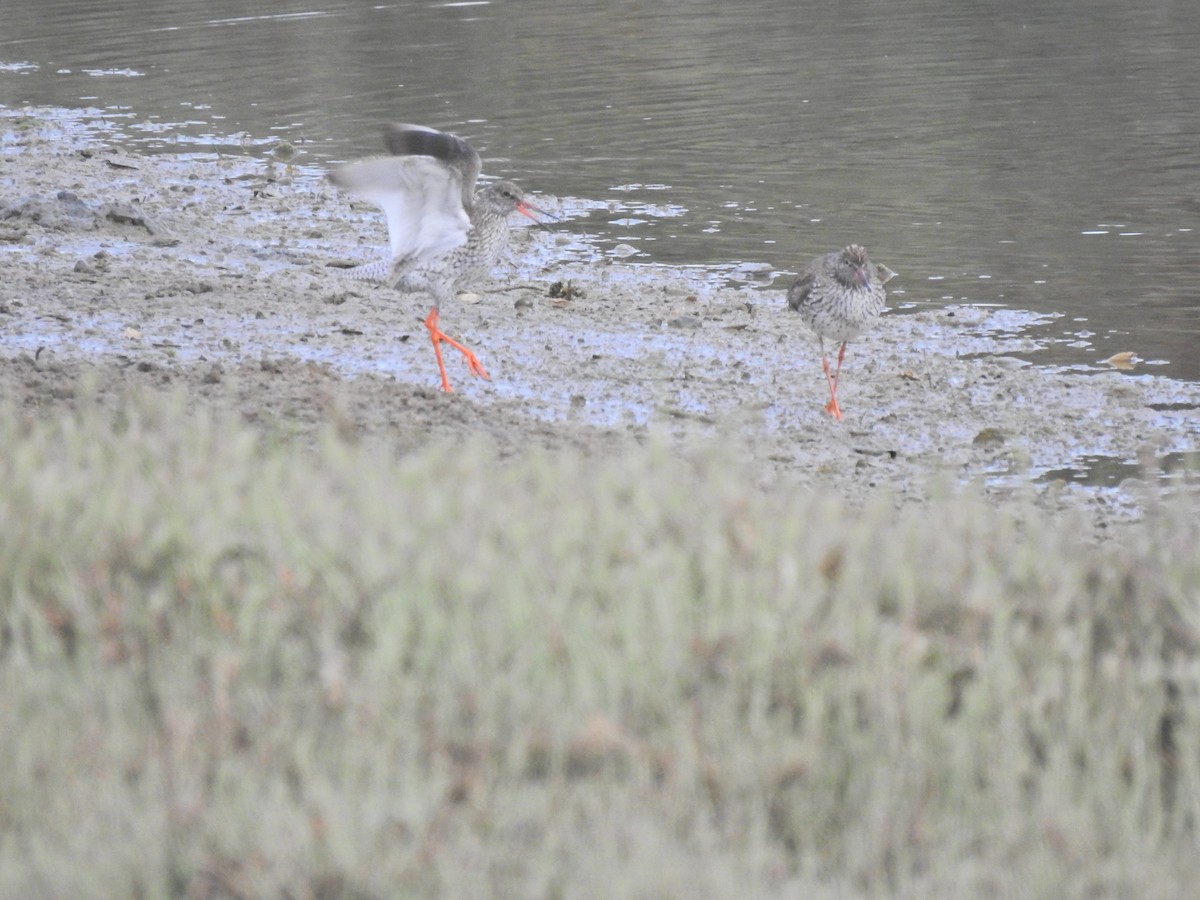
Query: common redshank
(444, 234)
(838, 295)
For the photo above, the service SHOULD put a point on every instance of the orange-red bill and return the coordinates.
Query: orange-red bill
(527, 209)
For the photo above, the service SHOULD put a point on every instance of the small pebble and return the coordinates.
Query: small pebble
(989, 437)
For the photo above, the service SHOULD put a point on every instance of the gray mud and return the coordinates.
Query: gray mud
(224, 277)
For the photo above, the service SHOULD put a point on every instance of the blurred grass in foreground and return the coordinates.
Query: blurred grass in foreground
(232, 667)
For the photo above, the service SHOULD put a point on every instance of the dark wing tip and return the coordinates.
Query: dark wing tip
(417, 140)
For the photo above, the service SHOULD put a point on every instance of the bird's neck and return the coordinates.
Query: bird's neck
(484, 212)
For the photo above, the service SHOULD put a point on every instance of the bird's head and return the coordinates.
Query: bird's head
(504, 197)
(853, 267)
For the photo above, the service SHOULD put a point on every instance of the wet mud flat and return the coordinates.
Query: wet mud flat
(224, 277)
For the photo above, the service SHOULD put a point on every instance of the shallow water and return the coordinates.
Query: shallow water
(1039, 156)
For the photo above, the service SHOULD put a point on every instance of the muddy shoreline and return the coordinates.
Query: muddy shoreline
(224, 278)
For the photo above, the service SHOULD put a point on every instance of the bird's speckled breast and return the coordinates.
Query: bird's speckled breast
(478, 256)
(463, 266)
(837, 312)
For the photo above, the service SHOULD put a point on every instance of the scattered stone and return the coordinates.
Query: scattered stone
(565, 290)
(676, 413)
(73, 206)
(989, 437)
(125, 215)
(1125, 361)
(64, 212)
(751, 271)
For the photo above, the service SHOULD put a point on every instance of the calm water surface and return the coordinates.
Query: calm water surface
(1041, 156)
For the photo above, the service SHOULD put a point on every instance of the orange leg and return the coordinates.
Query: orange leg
(832, 406)
(439, 337)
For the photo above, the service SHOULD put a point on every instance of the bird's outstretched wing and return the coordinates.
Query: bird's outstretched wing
(421, 197)
(417, 140)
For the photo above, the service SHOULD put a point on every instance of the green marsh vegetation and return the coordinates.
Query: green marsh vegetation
(233, 665)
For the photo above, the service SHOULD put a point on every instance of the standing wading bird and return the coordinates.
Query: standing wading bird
(837, 296)
(443, 233)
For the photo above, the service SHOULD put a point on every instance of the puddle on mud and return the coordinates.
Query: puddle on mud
(1110, 472)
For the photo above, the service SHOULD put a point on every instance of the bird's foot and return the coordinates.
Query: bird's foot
(439, 337)
(831, 378)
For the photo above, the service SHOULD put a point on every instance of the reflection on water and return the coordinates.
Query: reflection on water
(1041, 156)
